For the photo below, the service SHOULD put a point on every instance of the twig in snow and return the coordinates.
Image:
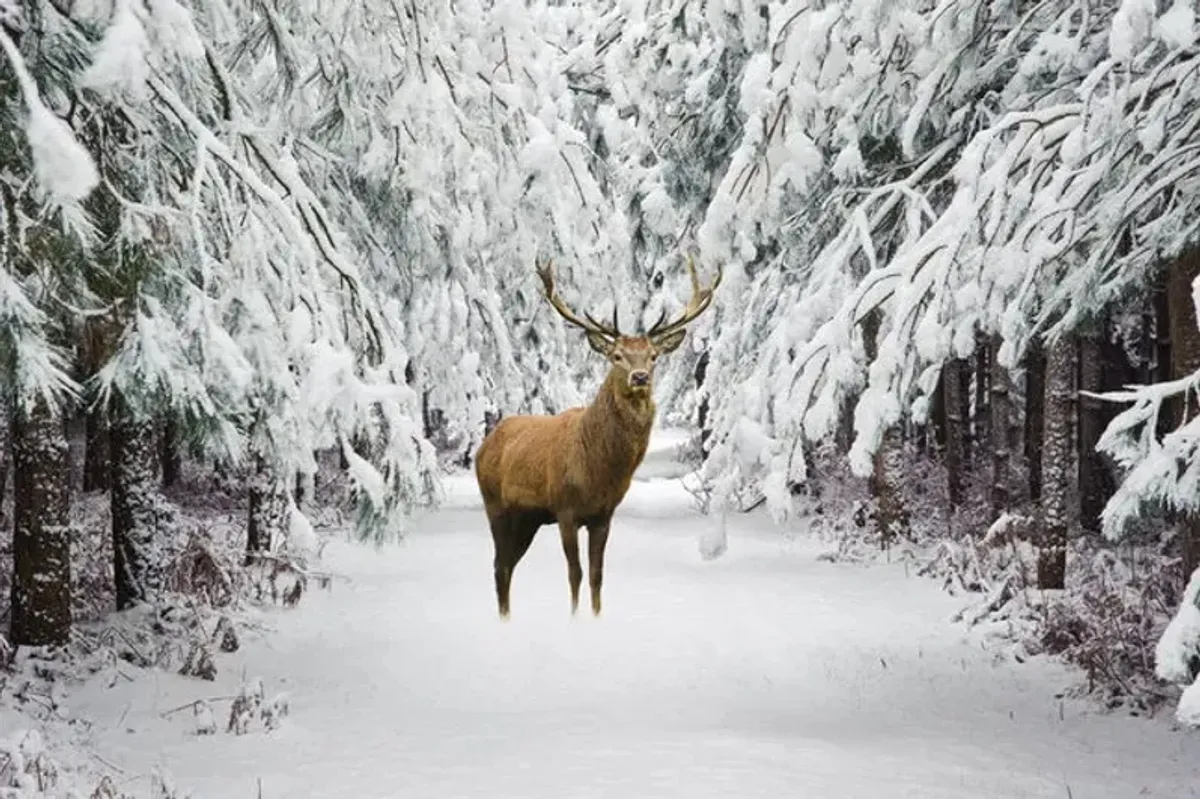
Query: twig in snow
(191, 705)
(109, 764)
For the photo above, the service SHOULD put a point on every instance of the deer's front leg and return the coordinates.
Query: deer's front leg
(597, 541)
(569, 530)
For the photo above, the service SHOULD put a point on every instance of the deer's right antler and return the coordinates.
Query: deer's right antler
(702, 297)
(546, 273)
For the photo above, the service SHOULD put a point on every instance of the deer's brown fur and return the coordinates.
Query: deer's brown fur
(574, 468)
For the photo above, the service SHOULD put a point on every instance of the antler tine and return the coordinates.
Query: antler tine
(614, 330)
(546, 273)
(700, 300)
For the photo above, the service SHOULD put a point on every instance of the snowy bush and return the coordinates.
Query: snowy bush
(26, 769)
(251, 707)
(1177, 655)
(1108, 620)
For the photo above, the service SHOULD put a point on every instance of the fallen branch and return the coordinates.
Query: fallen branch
(192, 705)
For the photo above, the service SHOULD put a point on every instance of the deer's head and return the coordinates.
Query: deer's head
(632, 358)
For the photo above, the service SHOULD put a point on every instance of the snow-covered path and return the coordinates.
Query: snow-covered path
(766, 673)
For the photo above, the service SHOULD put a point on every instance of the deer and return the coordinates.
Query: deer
(574, 468)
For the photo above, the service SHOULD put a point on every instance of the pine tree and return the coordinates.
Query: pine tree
(41, 588)
(1092, 470)
(955, 372)
(1000, 425)
(1183, 275)
(1035, 416)
(1056, 464)
(134, 492)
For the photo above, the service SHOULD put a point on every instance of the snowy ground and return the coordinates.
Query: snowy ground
(766, 673)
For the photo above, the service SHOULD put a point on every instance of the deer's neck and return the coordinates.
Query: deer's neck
(616, 429)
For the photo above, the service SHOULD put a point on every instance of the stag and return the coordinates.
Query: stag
(574, 468)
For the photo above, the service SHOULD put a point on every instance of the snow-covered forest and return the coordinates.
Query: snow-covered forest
(267, 280)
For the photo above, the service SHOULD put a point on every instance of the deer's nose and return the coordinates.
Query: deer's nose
(639, 378)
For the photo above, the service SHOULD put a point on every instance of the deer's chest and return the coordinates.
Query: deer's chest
(597, 485)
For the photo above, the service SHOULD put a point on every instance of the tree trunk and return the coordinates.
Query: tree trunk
(891, 513)
(956, 428)
(999, 423)
(1163, 367)
(891, 517)
(268, 507)
(1056, 463)
(5, 450)
(1092, 494)
(95, 451)
(1035, 412)
(170, 461)
(41, 588)
(937, 414)
(981, 417)
(1185, 359)
(702, 420)
(965, 378)
(133, 497)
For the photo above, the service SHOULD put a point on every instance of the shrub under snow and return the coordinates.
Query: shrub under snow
(1177, 656)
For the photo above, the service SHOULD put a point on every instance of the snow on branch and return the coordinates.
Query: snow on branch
(1158, 473)
(63, 168)
(1041, 214)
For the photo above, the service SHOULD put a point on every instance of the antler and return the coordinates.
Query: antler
(701, 299)
(546, 273)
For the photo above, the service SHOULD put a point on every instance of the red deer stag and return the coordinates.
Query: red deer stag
(574, 468)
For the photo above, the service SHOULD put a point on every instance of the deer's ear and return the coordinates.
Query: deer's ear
(671, 341)
(599, 343)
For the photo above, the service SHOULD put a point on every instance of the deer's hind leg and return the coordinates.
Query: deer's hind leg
(502, 564)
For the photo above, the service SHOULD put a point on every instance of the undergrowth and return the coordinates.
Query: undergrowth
(207, 606)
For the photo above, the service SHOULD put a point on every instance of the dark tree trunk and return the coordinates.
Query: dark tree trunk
(1056, 465)
(133, 497)
(891, 513)
(1000, 420)
(937, 414)
(41, 588)
(982, 415)
(5, 450)
(170, 461)
(95, 450)
(1162, 367)
(965, 378)
(1035, 413)
(844, 433)
(1092, 493)
(956, 427)
(268, 508)
(891, 517)
(1185, 360)
(702, 421)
